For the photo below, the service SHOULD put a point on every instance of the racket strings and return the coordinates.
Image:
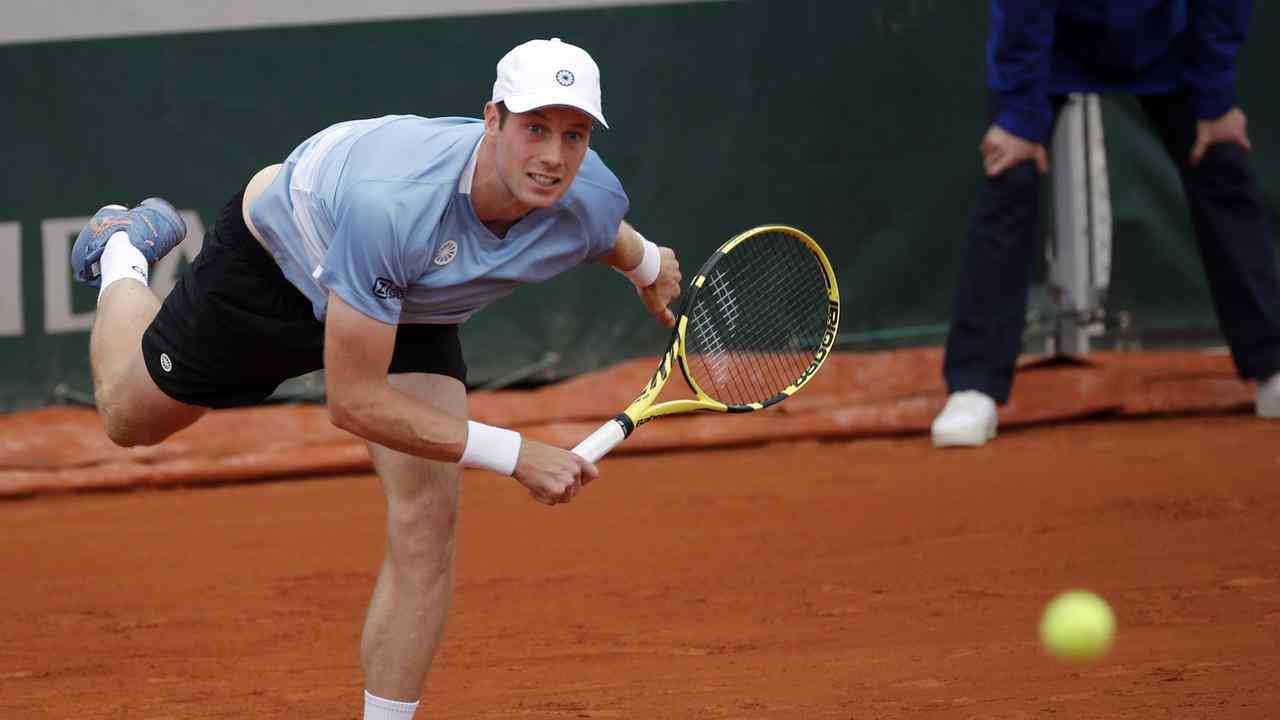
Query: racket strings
(758, 320)
(731, 376)
(742, 381)
(762, 365)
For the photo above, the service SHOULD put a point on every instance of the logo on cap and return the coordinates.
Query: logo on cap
(565, 78)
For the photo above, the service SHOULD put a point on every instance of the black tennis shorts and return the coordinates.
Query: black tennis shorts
(234, 327)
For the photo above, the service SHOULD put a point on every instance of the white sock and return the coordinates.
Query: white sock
(120, 260)
(376, 708)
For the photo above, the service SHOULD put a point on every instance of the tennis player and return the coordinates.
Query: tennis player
(362, 253)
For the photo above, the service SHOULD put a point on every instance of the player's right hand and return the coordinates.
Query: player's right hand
(665, 289)
(1002, 150)
(552, 475)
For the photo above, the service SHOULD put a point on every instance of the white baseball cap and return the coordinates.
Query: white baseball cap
(539, 73)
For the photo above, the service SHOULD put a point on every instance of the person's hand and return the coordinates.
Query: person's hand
(550, 474)
(666, 288)
(1226, 128)
(1002, 150)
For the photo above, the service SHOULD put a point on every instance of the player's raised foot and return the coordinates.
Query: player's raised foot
(93, 240)
(154, 227)
(1267, 401)
(967, 420)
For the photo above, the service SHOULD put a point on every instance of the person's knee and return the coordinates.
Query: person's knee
(127, 427)
(421, 532)
(127, 432)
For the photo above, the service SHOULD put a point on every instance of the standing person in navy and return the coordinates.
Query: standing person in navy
(1179, 58)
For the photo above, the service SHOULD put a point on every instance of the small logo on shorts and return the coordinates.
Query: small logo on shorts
(448, 251)
(565, 78)
(385, 289)
(165, 363)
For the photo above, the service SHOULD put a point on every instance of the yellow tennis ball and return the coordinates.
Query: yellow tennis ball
(1077, 626)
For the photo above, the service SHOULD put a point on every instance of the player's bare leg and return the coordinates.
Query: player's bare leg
(406, 616)
(116, 249)
(134, 411)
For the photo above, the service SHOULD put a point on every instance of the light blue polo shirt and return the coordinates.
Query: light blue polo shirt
(379, 211)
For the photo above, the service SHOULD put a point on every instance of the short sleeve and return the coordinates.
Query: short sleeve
(606, 205)
(605, 234)
(366, 263)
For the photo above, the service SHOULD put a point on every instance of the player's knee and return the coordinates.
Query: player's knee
(127, 430)
(127, 434)
(421, 532)
(121, 434)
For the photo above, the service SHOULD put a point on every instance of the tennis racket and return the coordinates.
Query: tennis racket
(756, 324)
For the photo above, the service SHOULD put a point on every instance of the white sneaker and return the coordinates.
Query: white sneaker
(1268, 398)
(968, 419)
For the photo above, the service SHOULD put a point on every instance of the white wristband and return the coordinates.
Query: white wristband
(491, 448)
(646, 273)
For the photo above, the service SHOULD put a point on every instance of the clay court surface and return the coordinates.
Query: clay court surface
(873, 578)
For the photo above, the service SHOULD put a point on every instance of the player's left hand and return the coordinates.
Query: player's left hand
(1229, 127)
(665, 289)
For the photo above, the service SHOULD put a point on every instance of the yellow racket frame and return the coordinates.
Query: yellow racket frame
(643, 408)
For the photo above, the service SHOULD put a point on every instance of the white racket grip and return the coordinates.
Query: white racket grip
(600, 442)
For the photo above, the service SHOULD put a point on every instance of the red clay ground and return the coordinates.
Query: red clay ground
(866, 579)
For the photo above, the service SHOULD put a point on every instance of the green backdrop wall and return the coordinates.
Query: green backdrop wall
(856, 121)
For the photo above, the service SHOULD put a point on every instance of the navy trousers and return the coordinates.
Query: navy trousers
(1231, 228)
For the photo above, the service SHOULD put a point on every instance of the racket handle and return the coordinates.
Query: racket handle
(604, 439)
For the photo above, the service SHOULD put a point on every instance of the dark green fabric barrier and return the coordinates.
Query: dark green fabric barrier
(855, 121)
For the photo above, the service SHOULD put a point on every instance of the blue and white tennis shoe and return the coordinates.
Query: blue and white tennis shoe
(154, 227)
